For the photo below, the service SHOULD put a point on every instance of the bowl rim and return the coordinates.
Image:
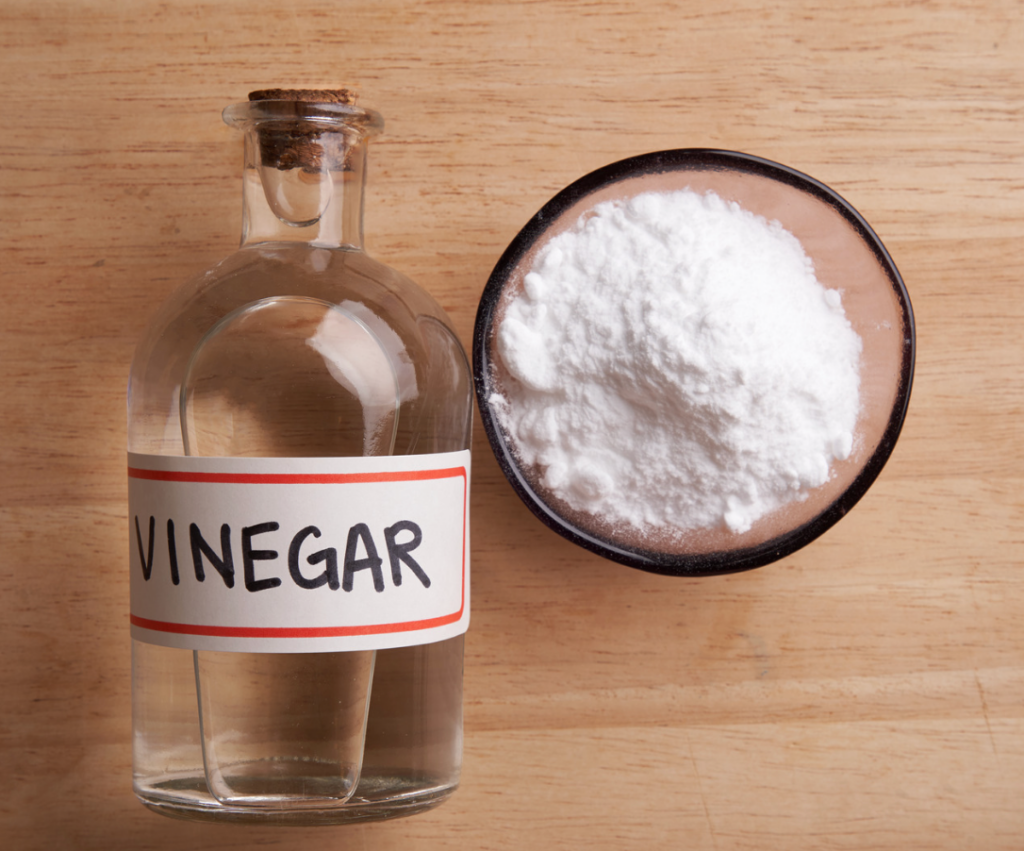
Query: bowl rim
(696, 564)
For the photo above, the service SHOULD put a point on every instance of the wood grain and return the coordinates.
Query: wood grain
(867, 692)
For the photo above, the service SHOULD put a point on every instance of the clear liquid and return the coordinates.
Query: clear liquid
(411, 759)
(267, 355)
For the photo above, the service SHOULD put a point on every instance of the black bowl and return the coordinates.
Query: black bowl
(846, 254)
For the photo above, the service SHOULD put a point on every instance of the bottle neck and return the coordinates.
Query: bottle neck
(303, 186)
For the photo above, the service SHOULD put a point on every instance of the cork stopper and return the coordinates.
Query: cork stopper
(345, 96)
(297, 142)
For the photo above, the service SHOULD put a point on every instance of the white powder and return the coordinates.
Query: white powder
(676, 365)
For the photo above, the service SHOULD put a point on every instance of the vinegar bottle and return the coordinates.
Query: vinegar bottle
(298, 431)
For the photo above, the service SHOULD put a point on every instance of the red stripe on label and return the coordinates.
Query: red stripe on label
(292, 632)
(294, 478)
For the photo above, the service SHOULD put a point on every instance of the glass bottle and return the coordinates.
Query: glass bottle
(237, 364)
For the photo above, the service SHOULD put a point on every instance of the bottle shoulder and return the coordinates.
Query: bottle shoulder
(272, 270)
(405, 323)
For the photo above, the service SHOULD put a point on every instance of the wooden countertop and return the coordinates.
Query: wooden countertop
(866, 692)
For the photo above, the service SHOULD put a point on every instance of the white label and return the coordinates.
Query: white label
(298, 555)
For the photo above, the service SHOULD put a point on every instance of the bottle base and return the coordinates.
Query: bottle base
(188, 798)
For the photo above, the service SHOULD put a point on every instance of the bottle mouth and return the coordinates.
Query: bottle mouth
(320, 115)
(313, 136)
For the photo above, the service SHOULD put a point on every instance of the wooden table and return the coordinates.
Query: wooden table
(866, 692)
